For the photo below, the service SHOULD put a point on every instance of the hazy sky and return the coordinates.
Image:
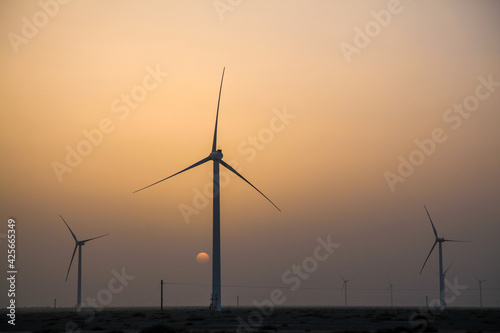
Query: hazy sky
(349, 115)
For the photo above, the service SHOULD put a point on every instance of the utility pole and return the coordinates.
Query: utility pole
(161, 304)
(480, 294)
(390, 286)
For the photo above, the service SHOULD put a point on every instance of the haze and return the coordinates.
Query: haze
(349, 134)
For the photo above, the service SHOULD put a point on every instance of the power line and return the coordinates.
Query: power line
(315, 288)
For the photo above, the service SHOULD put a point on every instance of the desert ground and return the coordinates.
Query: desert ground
(195, 319)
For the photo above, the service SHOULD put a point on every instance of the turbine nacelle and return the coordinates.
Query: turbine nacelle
(216, 155)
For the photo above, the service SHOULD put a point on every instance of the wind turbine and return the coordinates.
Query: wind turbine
(216, 157)
(344, 289)
(78, 244)
(480, 291)
(390, 287)
(439, 240)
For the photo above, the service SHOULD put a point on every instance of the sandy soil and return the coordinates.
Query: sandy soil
(289, 320)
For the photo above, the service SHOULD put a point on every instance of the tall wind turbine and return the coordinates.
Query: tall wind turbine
(216, 157)
(480, 291)
(440, 241)
(344, 289)
(78, 244)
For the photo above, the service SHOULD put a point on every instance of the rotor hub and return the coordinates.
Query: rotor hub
(216, 155)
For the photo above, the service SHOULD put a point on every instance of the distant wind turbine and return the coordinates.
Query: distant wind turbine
(439, 240)
(78, 244)
(216, 157)
(344, 289)
(480, 291)
(390, 287)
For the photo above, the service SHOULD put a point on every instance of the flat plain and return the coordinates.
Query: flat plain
(246, 319)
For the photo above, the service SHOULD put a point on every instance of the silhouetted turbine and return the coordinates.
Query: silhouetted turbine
(344, 289)
(390, 287)
(78, 244)
(480, 291)
(215, 156)
(440, 241)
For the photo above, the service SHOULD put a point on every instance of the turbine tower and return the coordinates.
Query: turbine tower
(78, 244)
(440, 241)
(344, 289)
(216, 157)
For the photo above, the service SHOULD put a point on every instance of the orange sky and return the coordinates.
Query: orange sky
(350, 118)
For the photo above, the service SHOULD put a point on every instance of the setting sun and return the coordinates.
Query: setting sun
(202, 258)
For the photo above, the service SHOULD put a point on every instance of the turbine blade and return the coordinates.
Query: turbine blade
(76, 240)
(73, 257)
(343, 286)
(481, 281)
(454, 240)
(230, 168)
(93, 238)
(342, 277)
(214, 145)
(190, 167)
(434, 229)
(447, 269)
(433, 246)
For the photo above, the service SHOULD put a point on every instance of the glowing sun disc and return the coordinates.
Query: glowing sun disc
(202, 258)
